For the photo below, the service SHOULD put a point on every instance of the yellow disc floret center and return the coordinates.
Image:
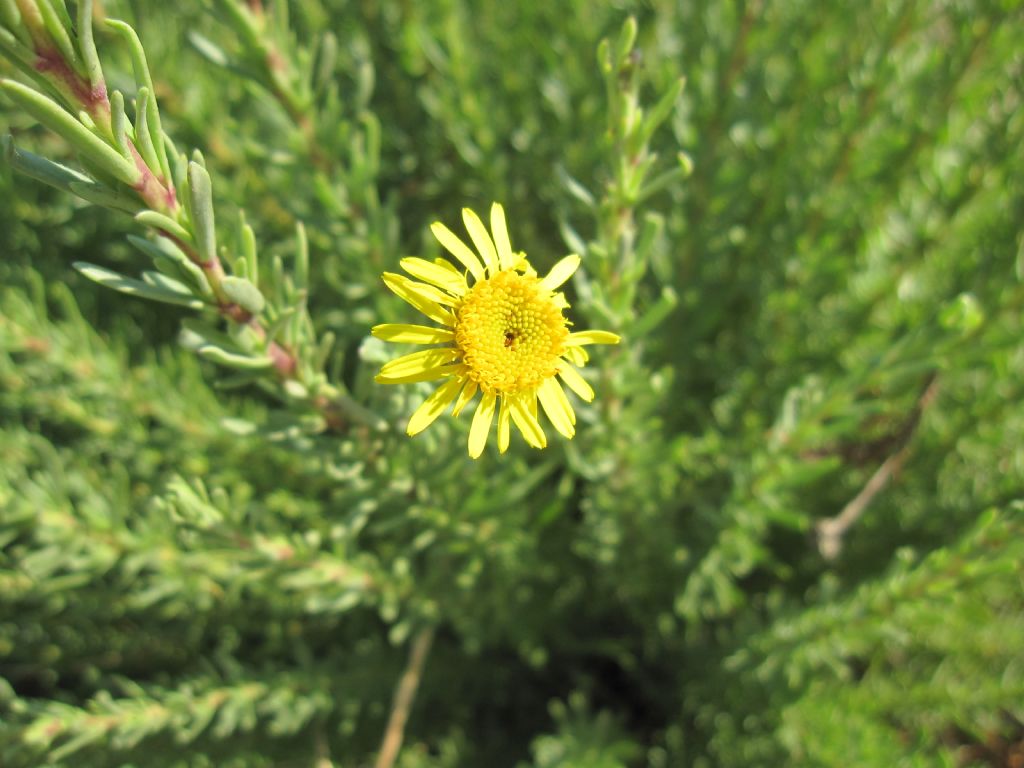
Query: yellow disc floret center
(510, 332)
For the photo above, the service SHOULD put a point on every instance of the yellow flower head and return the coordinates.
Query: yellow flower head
(504, 336)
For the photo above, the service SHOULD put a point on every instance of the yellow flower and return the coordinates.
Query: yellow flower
(504, 336)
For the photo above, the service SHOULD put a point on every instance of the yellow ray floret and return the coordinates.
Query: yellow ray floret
(503, 333)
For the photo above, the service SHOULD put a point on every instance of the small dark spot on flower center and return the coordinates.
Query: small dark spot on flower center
(510, 338)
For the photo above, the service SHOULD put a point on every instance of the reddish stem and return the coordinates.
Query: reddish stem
(156, 192)
(92, 98)
(284, 361)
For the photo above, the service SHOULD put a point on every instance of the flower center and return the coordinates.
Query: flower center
(510, 332)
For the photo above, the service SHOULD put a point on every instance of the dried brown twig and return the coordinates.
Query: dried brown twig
(404, 696)
(830, 531)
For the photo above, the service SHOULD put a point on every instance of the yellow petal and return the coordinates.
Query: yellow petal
(499, 228)
(482, 240)
(418, 362)
(467, 394)
(402, 333)
(405, 289)
(448, 279)
(556, 406)
(481, 426)
(576, 382)
(503, 424)
(448, 266)
(458, 249)
(431, 293)
(527, 421)
(433, 406)
(430, 374)
(576, 355)
(592, 337)
(561, 272)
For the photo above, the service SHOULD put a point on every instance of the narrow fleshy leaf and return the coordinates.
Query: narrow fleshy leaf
(326, 61)
(458, 249)
(662, 109)
(403, 333)
(482, 240)
(143, 136)
(16, 45)
(575, 188)
(561, 272)
(163, 248)
(61, 10)
(209, 50)
(323, 350)
(433, 406)
(244, 294)
(57, 24)
(166, 281)
(42, 169)
(53, 116)
(132, 287)
(232, 359)
(481, 426)
(164, 224)
(10, 16)
(144, 79)
(300, 273)
(99, 194)
(201, 195)
(119, 123)
(499, 228)
(247, 240)
(87, 45)
(575, 382)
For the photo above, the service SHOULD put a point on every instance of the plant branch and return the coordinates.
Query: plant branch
(830, 531)
(132, 163)
(404, 696)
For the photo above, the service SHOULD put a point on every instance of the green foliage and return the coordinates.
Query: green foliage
(790, 527)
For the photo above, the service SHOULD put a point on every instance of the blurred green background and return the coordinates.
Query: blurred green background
(188, 577)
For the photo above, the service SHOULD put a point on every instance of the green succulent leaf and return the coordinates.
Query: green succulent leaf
(166, 291)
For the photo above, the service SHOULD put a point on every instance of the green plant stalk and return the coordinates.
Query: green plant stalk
(73, 74)
(617, 230)
(145, 181)
(629, 131)
(145, 170)
(251, 22)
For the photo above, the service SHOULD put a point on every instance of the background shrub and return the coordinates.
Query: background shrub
(197, 569)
